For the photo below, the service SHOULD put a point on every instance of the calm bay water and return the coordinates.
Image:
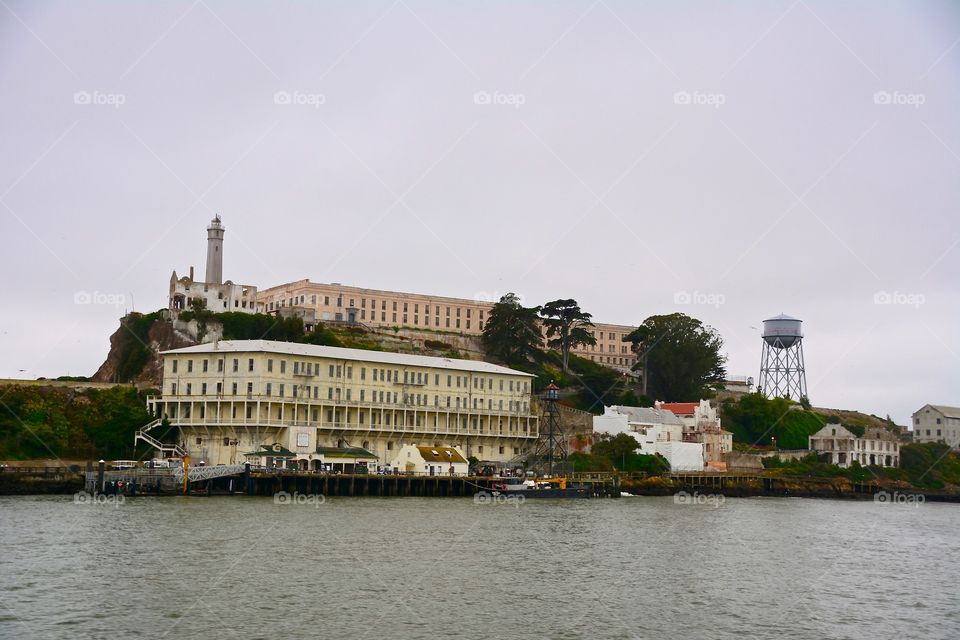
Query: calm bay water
(238, 567)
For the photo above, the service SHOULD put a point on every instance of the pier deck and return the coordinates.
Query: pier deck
(269, 483)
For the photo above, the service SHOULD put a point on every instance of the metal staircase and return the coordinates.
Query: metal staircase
(166, 450)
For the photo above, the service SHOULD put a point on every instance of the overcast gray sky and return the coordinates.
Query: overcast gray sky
(762, 157)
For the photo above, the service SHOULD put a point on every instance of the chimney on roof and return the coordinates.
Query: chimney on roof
(191, 274)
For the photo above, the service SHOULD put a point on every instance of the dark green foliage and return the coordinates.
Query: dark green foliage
(924, 465)
(629, 398)
(754, 419)
(776, 463)
(322, 336)
(567, 326)
(598, 385)
(930, 464)
(133, 344)
(199, 312)
(620, 451)
(587, 386)
(511, 334)
(56, 422)
(589, 462)
(855, 429)
(682, 356)
(815, 466)
(437, 345)
(260, 326)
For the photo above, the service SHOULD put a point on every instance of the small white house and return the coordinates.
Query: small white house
(656, 431)
(701, 423)
(431, 461)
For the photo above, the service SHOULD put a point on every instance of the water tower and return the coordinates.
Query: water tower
(782, 374)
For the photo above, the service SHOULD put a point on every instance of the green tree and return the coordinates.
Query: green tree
(616, 448)
(567, 327)
(46, 422)
(511, 333)
(586, 462)
(679, 356)
(755, 419)
(621, 451)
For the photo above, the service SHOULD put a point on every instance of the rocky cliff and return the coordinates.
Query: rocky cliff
(136, 345)
(135, 348)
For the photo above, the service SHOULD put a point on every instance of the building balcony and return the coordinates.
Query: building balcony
(153, 401)
(336, 426)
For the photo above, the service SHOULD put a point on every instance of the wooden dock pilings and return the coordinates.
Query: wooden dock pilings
(400, 485)
(272, 483)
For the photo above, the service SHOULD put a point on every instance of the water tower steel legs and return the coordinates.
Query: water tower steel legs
(782, 372)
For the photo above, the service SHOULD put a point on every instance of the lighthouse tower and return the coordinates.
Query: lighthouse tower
(215, 251)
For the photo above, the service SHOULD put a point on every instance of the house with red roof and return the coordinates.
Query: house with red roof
(702, 424)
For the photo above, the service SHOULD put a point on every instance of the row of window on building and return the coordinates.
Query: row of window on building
(611, 348)
(394, 306)
(401, 312)
(613, 360)
(334, 417)
(313, 369)
(306, 392)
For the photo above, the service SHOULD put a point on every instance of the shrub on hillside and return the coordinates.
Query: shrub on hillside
(47, 422)
(754, 419)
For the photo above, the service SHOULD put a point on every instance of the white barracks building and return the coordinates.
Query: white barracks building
(231, 398)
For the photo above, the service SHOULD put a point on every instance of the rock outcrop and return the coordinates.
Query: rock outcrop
(135, 354)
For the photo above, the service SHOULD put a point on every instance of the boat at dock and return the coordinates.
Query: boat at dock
(550, 487)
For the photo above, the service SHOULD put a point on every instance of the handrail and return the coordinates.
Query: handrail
(162, 447)
(209, 472)
(327, 403)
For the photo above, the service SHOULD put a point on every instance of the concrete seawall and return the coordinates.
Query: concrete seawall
(41, 482)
